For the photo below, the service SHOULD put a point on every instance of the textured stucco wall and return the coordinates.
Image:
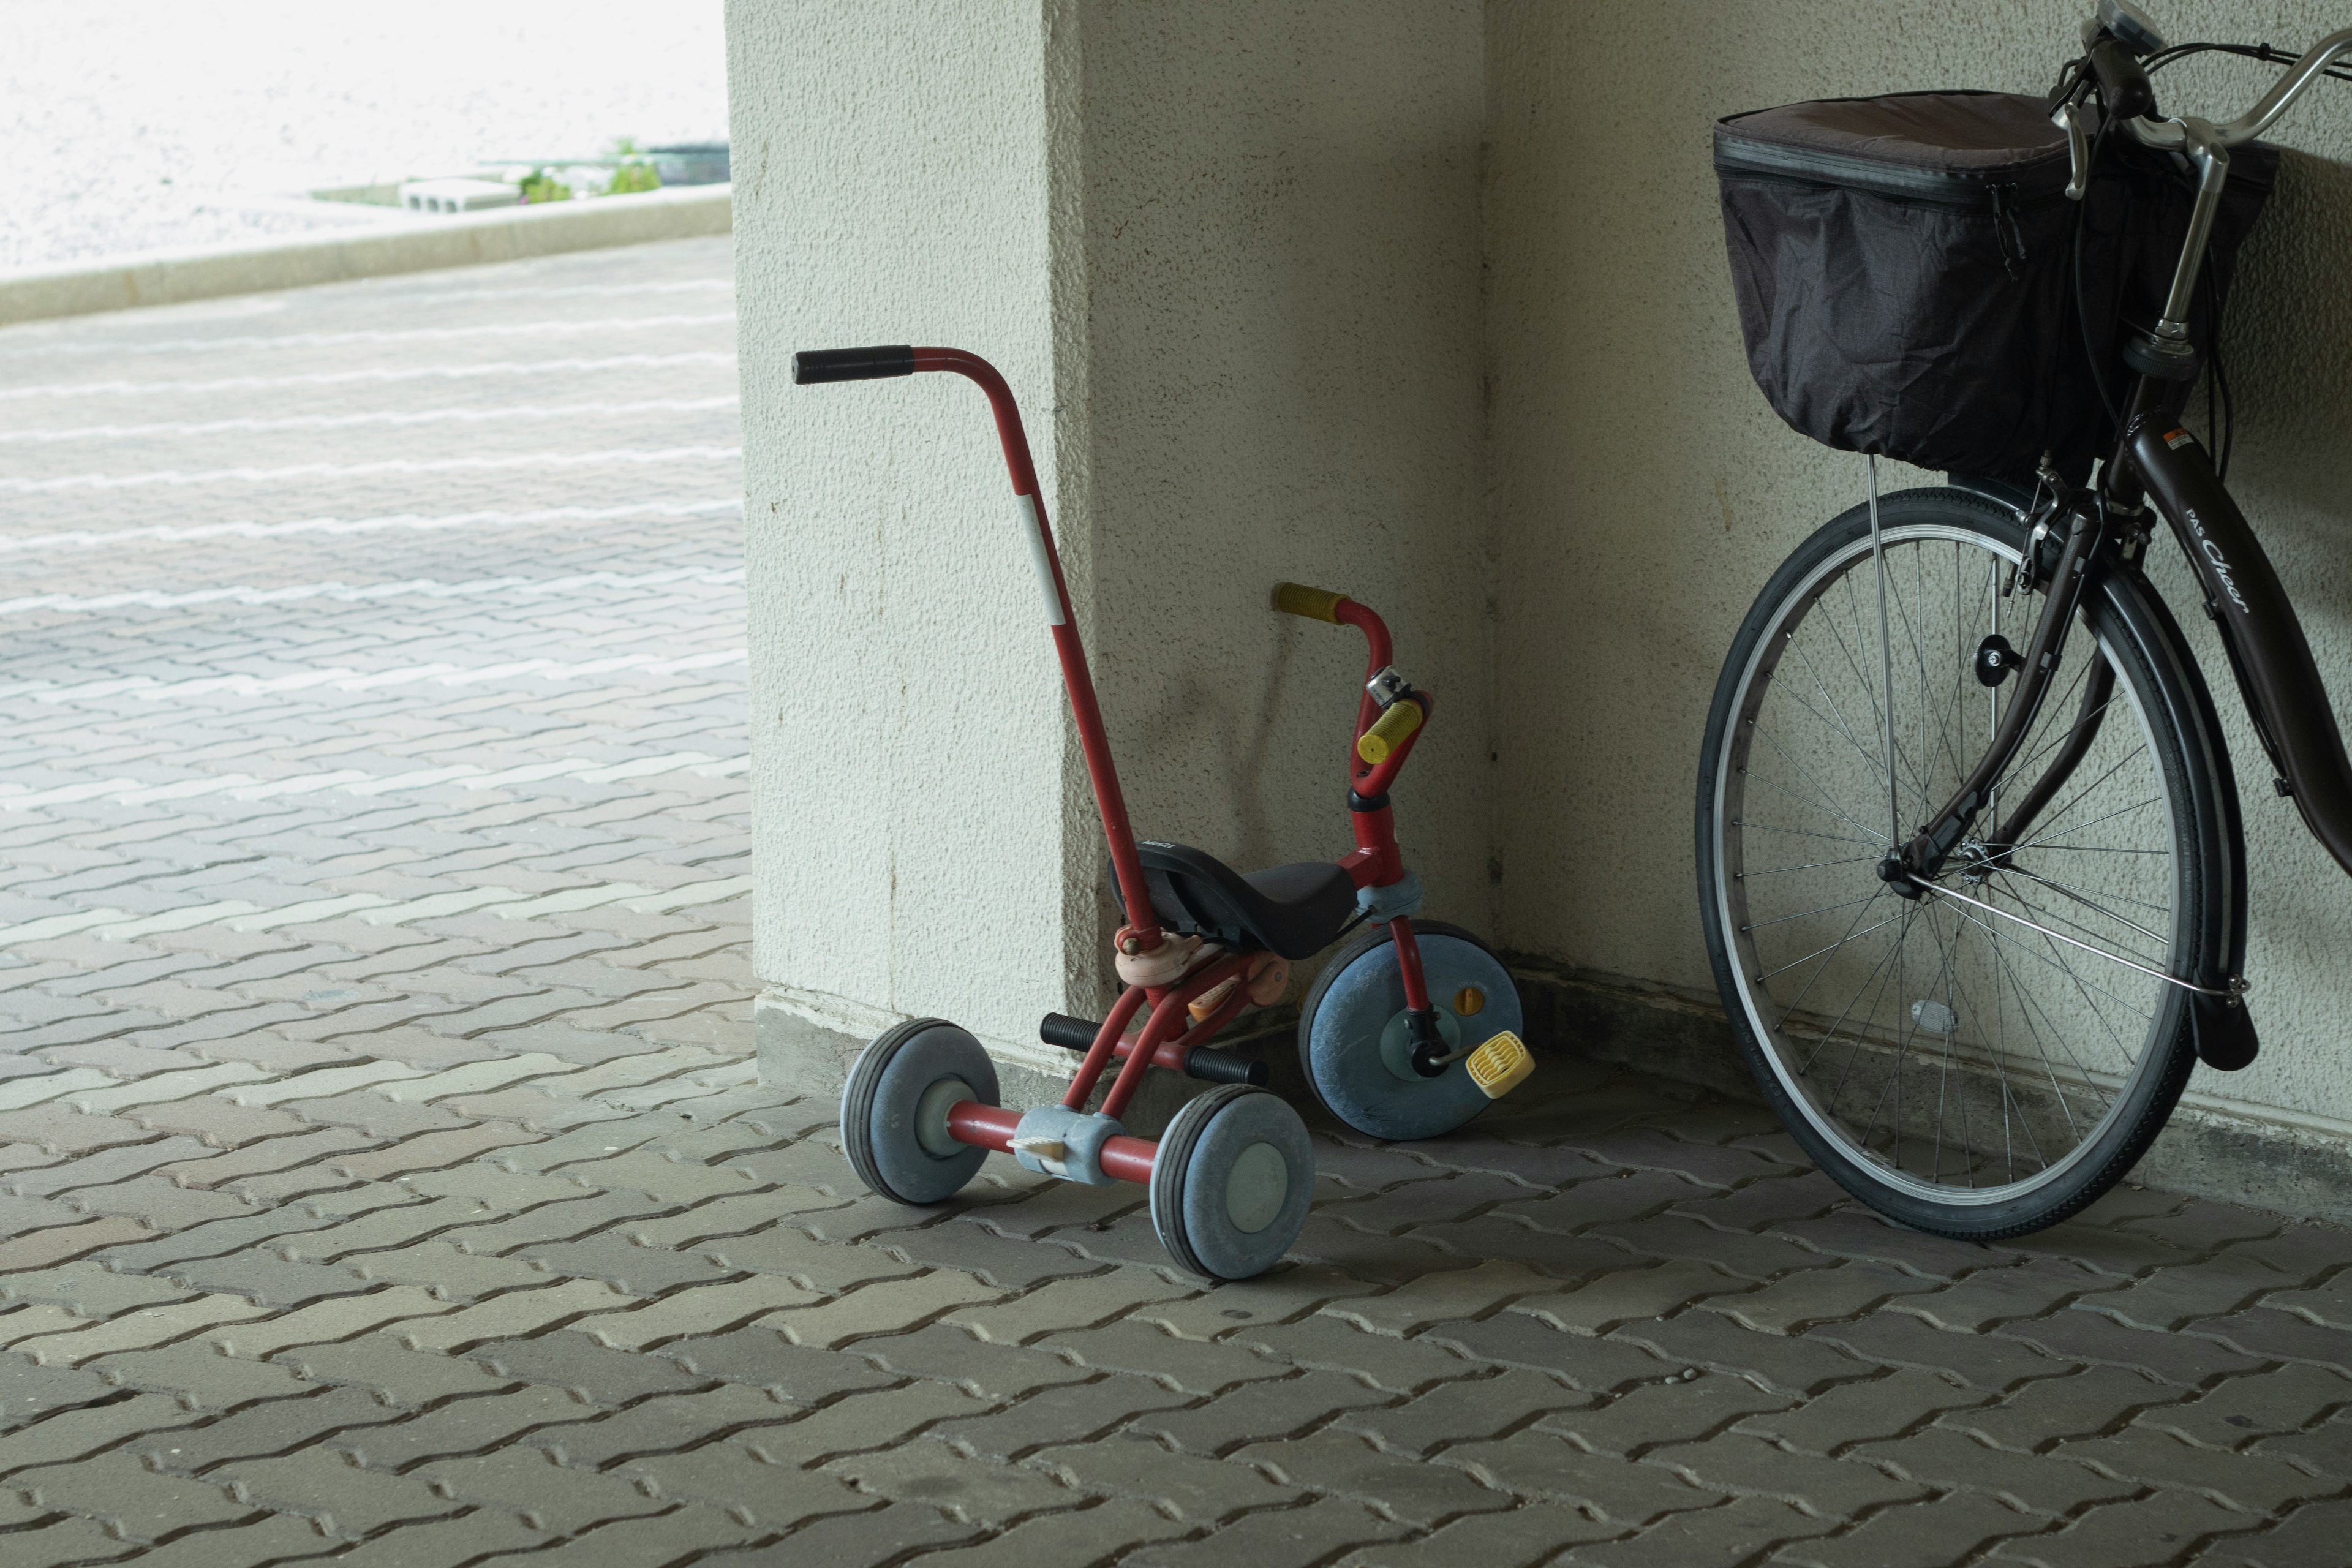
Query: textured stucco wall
(1279, 247)
(1228, 255)
(1643, 490)
(909, 763)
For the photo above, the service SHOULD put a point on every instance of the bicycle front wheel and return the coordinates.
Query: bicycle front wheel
(1988, 1057)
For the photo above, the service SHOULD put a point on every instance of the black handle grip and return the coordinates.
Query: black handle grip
(813, 366)
(1212, 1066)
(2123, 85)
(1070, 1034)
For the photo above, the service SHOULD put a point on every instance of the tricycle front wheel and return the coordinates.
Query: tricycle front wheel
(1354, 1043)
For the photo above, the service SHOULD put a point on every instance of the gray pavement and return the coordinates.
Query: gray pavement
(384, 1176)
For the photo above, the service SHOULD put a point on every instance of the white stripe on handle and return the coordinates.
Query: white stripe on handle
(1040, 557)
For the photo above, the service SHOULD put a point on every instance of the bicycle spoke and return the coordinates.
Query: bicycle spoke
(1953, 1043)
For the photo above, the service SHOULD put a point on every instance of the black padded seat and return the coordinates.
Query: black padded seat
(1295, 910)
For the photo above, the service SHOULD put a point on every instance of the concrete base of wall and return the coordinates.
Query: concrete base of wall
(2211, 1148)
(511, 234)
(801, 1054)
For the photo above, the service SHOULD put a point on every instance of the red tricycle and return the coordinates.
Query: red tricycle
(1408, 1032)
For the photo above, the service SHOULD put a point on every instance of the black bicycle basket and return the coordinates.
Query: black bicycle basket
(1905, 269)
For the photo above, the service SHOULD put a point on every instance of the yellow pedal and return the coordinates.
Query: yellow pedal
(1500, 1066)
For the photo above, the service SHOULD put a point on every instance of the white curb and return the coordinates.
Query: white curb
(173, 277)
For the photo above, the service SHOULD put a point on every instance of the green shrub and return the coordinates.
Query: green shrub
(633, 175)
(633, 172)
(539, 186)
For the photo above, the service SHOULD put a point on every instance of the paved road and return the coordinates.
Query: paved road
(383, 1176)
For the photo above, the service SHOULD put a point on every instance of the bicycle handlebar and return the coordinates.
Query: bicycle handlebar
(2181, 135)
(813, 366)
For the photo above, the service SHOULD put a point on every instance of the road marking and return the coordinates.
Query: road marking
(346, 593)
(507, 903)
(341, 678)
(51, 393)
(566, 328)
(457, 416)
(351, 781)
(410, 522)
(615, 458)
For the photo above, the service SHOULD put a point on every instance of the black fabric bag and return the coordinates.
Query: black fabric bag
(1905, 271)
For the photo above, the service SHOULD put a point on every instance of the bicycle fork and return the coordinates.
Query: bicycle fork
(2224, 1032)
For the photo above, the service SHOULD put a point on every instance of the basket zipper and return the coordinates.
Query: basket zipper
(2006, 228)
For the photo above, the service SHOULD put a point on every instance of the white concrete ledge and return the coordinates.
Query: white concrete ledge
(175, 276)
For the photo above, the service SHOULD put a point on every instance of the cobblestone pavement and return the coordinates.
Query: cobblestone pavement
(384, 1177)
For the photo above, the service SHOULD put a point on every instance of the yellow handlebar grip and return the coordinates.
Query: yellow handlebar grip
(1313, 604)
(1389, 731)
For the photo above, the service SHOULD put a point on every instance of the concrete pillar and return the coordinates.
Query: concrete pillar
(1227, 254)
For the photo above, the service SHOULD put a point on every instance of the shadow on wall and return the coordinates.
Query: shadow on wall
(2290, 317)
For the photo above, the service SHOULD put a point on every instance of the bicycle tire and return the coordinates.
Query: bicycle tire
(2156, 682)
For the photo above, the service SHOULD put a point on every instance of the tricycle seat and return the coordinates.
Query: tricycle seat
(1295, 910)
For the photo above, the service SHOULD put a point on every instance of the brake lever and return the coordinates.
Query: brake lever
(2070, 115)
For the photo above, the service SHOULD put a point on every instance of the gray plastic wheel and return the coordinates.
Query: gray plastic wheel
(893, 1111)
(1353, 1042)
(1231, 1183)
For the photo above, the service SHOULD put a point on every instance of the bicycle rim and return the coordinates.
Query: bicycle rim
(1943, 1054)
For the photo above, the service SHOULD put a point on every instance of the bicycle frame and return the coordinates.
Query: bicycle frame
(2157, 462)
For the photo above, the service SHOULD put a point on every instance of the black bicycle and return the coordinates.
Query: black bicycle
(1970, 852)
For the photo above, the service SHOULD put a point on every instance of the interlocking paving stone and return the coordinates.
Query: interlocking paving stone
(1471, 1408)
(863, 1538)
(342, 1499)
(2251, 1482)
(1666, 1412)
(1070, 1414)
(1733, 1532)
(594, 1439)
(1277, 1538)
(66, 1539)
(2093, 1400)
(547, 1495)
(1855, 1412)
(197, 1375)
(861, 1423)
(761, 1358)
(379, 1208)
(1522, 1340)
(1341, 1464)
(260, 1431)
(1184, 1484)
(1396, 1365)
(118, 1490)
(1535, 1463)
(1517, 1538)
(2165, 1527)
(1929, 1534)
(1255, 1411)
(1739, 1463)
(70, 1434)
(2245, 1409)
(2041, 1484)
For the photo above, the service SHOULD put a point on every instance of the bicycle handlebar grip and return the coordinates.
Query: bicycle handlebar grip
(1310, 604)
(2123, 85)
(1389, 731)
(813, 366)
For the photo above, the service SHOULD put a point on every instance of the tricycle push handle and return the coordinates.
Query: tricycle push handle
(813, 366)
